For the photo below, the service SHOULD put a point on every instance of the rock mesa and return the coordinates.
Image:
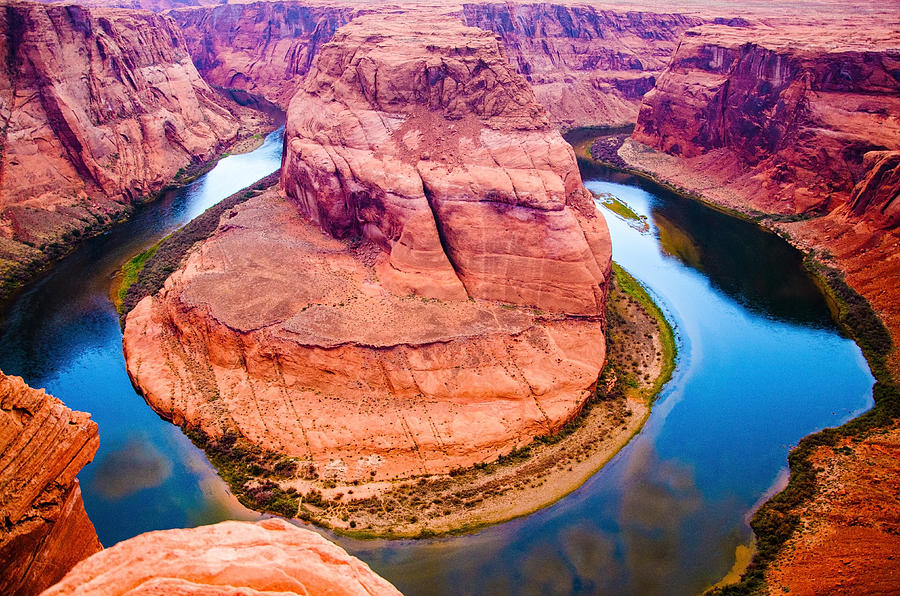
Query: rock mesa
(43, 446)
(266, 557)
(431, 294)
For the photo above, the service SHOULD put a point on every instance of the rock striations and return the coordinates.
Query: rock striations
(99, 107)
(266, 557)
(265, 48)
(789, 119)
(452, 309)
(795, 120)
(45, 530)
(588, 67)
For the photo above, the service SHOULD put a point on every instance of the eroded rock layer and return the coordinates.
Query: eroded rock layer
(588, 67)
(43, 446)
(417, 135)
(99, 107)
(430, 295)
(264, 48)
(784, 117)
(266, 557)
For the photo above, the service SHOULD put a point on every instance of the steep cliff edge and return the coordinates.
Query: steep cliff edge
(43, 446)
(265, 48)
(587, 66)
(796, 122)
(784, 117)
(266, 557)
(430, 295)
(99, 108)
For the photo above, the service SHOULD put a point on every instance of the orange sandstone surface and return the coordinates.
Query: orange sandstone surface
(43, 446)
(430, 295)
(266, 557)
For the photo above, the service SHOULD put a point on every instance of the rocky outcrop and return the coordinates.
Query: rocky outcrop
(99, 107)
(266, 557)
(43, 446)
(441, 298)
(265, 48)
(785, 116)
(588, 67)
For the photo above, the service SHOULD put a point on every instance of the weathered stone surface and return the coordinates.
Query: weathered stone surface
(99, 107)
(43, 445)
(784, 117)
(264, 48)
(266, 557)
(417, 135)
(321, 363)
(588, 66)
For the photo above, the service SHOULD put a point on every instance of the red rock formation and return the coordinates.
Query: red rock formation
(43, 445)
(788, 115)
(370, 351)
(791, 119)
(99, 108)
(588, 67)
(266, 557)
(265, 48)
(431, 153)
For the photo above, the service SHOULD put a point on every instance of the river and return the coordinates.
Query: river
(761, 365)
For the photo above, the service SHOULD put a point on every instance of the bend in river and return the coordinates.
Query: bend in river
(761, 365)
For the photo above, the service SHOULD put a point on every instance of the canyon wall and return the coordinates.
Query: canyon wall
(587, 66)
(266, 557)
(100, 108)
(799, 121)
(43, 446)
(265, 48)
(430, 295)
(791, 123)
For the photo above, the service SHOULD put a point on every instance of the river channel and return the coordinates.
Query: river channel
(761, 364)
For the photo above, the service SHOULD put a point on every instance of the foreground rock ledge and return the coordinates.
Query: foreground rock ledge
(45, 529)
(267, 557)
(431, 295)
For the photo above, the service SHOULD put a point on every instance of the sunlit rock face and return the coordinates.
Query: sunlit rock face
(267, 557)
(430, 293)
(43, 446)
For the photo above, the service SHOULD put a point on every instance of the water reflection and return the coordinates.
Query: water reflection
(136, 466)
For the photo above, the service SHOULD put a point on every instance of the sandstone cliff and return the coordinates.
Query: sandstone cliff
(799, 121)
(451, 310)
(43, 445)
(99, 107)
(266, 557)
(588, 67)
(264, 48)
(785, 117)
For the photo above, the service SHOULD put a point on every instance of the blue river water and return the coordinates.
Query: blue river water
(761, 365)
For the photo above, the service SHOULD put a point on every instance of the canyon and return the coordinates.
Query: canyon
(43, 446)
(399, 334)
(266, 557)
(392, 331)
(101, 108)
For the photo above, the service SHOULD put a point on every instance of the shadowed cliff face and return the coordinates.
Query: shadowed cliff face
(266, 557)
(265, 48)
(791, 117)
(588, 67)
(431, 293)
(43, 445)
